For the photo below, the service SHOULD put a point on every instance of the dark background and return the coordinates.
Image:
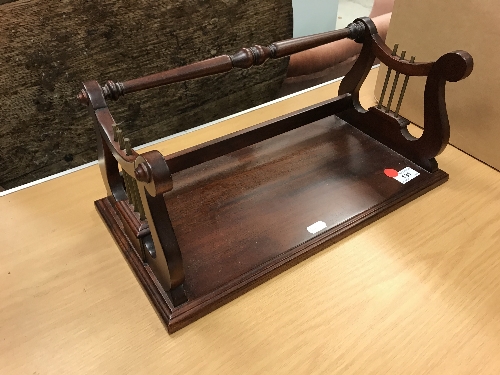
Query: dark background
(48, 47)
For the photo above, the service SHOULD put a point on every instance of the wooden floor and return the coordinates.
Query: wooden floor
(417, 292)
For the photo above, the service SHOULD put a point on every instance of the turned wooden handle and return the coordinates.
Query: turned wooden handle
(295, 45)
(243, 59)
(216, 65)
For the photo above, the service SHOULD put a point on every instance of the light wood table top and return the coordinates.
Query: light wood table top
(417, 292)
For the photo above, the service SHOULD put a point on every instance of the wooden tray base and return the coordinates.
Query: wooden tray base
(242, 218)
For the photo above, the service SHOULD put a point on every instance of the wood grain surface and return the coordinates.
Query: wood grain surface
(47, 48)
(417, 292)
(242, 212)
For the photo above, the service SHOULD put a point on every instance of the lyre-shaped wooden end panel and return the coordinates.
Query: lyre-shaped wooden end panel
(387, 126)
(138, 197)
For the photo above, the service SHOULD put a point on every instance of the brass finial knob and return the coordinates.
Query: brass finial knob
(142, 173)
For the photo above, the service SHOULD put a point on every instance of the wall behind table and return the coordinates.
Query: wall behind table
(428, 29)
(48, 47)
(314, 16)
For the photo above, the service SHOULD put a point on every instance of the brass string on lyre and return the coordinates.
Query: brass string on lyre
(130, 183)
(403, 89)
(387, 76)
(394, 85)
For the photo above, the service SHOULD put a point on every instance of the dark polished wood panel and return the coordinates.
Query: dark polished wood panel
(237, 212)
(242, 218)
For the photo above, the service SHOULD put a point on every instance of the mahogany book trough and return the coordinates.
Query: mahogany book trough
(201, 226)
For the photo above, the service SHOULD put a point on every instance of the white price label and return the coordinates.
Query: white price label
(316, 227)
(406, 174)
